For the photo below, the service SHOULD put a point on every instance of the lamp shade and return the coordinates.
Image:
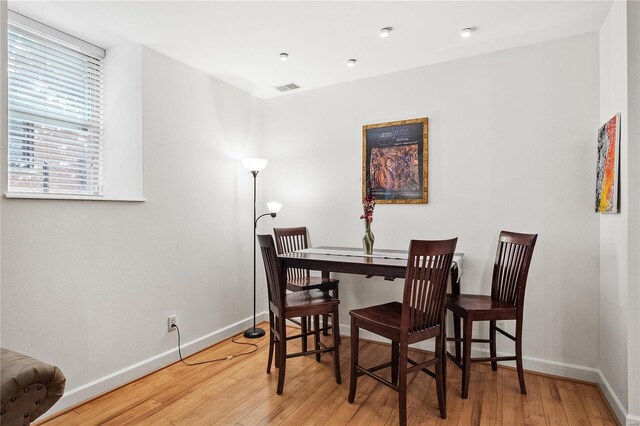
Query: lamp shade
(274, 206)
(254, 164)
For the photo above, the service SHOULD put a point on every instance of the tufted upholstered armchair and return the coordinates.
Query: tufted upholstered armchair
(28, 388)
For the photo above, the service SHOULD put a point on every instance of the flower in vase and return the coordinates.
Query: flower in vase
(368, 206)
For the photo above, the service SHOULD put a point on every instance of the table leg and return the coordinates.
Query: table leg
(455, 290)
(325, 318)
(456, 334)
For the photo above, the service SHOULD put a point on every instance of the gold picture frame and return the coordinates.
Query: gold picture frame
(395, 159)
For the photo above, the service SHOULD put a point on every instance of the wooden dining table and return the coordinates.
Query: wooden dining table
(389, 264)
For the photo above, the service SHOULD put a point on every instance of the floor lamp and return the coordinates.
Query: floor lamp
(255, 166)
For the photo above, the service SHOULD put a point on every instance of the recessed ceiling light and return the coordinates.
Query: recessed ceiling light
(284, 57)
(386, 32)
(466, 32)
(351, 63)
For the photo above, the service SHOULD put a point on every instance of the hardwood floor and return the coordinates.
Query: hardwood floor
(240, 392)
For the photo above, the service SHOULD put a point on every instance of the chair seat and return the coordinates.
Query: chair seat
(386, 316)
(480, 307)
(308, 283)
(312, 302)
(385, 320)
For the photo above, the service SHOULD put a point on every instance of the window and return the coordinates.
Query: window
(55, 94)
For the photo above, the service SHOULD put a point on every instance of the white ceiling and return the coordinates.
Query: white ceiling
(239, 42)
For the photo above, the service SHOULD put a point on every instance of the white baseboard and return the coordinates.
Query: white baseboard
(618, 408)
(114, 380)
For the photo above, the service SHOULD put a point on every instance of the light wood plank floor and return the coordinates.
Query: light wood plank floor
(239, 392)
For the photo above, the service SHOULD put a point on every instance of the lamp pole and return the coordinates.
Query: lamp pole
(255, 165)
(254, 332)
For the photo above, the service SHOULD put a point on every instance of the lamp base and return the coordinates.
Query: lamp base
(254, 333)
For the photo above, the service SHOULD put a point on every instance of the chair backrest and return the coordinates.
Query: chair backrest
(273, 271)
(511, 267)
(425, 285)
(289, 240)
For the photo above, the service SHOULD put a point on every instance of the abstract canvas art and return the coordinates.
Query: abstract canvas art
(608, 164)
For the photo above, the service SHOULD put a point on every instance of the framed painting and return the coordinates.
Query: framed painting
(395, 161)
(608, 166)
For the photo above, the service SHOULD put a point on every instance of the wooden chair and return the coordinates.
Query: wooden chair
(292, 239)
(420, 316)
(506, 302)
(283, 306)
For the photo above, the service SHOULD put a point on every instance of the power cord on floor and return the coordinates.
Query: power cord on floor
(233, 339)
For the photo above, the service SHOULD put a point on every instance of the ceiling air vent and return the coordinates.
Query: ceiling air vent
(287, 87)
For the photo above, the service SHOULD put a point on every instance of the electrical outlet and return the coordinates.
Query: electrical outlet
(171, 321)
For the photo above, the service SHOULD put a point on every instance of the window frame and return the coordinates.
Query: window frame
(73, 43)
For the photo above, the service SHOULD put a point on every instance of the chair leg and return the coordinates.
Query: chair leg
(492, 344)
(466, 355)
(336, 345)
(355, 343)
(283, 356)
(440, 377)
(457, 335)
(338, 324)
(304, 329)
(402, 384)
(271, 342)
(395, 353)
(325, 325)
(316, 335)
(443, 361)
(277, 342)
(523, 388)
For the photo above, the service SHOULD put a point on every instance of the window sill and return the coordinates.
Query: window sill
(25, 195)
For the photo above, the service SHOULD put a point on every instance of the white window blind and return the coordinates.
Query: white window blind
(55, 111)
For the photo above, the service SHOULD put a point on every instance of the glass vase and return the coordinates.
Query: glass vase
(368, 239)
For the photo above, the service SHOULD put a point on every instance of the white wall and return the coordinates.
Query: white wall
(617, 232)
(88, 285)
(633, 78)
(123, 145)
(511, 146)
